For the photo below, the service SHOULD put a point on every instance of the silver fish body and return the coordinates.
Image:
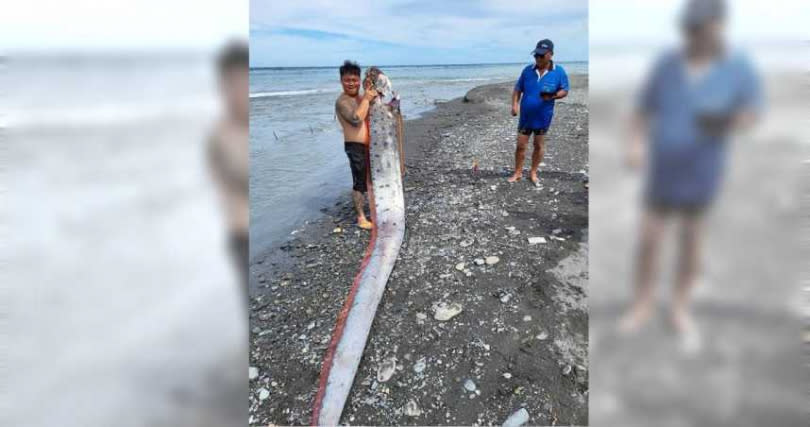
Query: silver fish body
(355, 320)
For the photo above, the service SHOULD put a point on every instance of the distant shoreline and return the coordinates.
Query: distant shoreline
(268, 67)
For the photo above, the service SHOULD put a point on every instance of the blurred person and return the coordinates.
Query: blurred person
(228, 151)
(538, 86)
(690, 103)
(352, 110)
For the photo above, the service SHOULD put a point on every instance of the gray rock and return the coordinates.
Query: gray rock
(536, 240)
(445, 312)
(479, 261)
(419, 366)
(518, 418)
(469, 385)
(492, 260)
(412, 409)
(386, 369)
(253, 373)
(263, 393)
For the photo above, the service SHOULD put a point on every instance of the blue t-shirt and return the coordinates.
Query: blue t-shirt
(535, 113)
(686, 157)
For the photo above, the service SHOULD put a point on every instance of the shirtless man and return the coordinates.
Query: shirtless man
(352, 110)
(228, 152)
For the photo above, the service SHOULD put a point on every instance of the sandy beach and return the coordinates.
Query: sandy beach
(521, 338)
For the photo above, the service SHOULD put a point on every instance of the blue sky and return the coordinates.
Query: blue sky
(408, 32)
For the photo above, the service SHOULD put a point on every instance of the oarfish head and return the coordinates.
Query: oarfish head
(379, 81)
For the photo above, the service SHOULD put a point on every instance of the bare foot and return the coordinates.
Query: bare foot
(636, 317)
(515, 178)
(534, 179)
(364, 224)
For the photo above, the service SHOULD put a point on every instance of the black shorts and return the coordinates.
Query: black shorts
(529, 131)
(358, 162)
(680, 209)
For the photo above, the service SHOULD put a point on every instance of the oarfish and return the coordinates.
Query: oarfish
(388, 215)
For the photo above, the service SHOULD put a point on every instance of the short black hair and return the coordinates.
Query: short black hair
(235, 54)
(349, 67)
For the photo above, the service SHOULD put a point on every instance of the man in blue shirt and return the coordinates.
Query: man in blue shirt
(695, 96)
(538, 86)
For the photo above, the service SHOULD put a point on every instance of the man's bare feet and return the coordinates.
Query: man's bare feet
(364, 224)
(515, 178)
(636, 317)
(534, 179)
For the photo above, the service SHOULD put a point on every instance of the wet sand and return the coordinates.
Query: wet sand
(521, 339)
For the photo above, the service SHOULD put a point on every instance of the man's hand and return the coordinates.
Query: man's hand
(515, 110)
(634, 158)
(370, 94)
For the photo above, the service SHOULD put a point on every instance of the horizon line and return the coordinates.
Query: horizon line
(265, 67)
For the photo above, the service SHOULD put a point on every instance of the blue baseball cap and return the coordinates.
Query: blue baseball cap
(543, 46)
(699, 12)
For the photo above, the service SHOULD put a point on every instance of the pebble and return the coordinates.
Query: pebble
(419, 366)
(412, 409)
(479, 261)
(507, 375)
(566, 370)
(527, 318)
(492, 260)
(542, 336)
(536, 240)
(263, 393)
(505, 298)
(469, 385)
(337, 230)
(465, 243)
(517, 419)
(445, 312)
(386, 369)
(421, 316)
(460, 266)
(253, 373)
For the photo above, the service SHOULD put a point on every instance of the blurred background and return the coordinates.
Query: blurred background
(120, 304)
(750, 303)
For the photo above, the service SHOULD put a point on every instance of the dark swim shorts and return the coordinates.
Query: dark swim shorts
(529, 131)
(358, 162)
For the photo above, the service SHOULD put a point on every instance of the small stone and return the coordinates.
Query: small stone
(527, 318)
(507, 375)
(566, 370)
(412, 409)
(263, 393)
(419, 366)
(466, 243)
(492, 260)
(542, 336)
(337, 230)
(460, 266)
(386, 369)
(469, 385)
(253, 373)
(536, 240)
(310, 326)
(505, 298)
(517, 419)
(479, 261)
(421, 316)
(446, 312)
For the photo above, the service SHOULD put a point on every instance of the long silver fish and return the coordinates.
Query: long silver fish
(388, 214)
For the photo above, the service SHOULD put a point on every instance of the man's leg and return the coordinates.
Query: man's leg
(359, 207)
(537, 156)
(520, 153)
(688, 269)
(652, 231)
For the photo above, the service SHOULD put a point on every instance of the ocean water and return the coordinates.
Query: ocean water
(296, 146)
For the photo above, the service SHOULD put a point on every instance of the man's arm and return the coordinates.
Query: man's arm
(562, 93)
(516, 94)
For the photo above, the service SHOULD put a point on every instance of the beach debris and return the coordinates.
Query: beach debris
(253, 373)
(567, 370)
(263, 393)
(412, 409)
(542, 336)
(337, 230)
(492, 260)
(460, 266)
(517, 419)
(505, 298)
(536, 240)
(527, 318)
(419, 366)
(469, 385)
(507, 375)
(386, 369)
(445, 312)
